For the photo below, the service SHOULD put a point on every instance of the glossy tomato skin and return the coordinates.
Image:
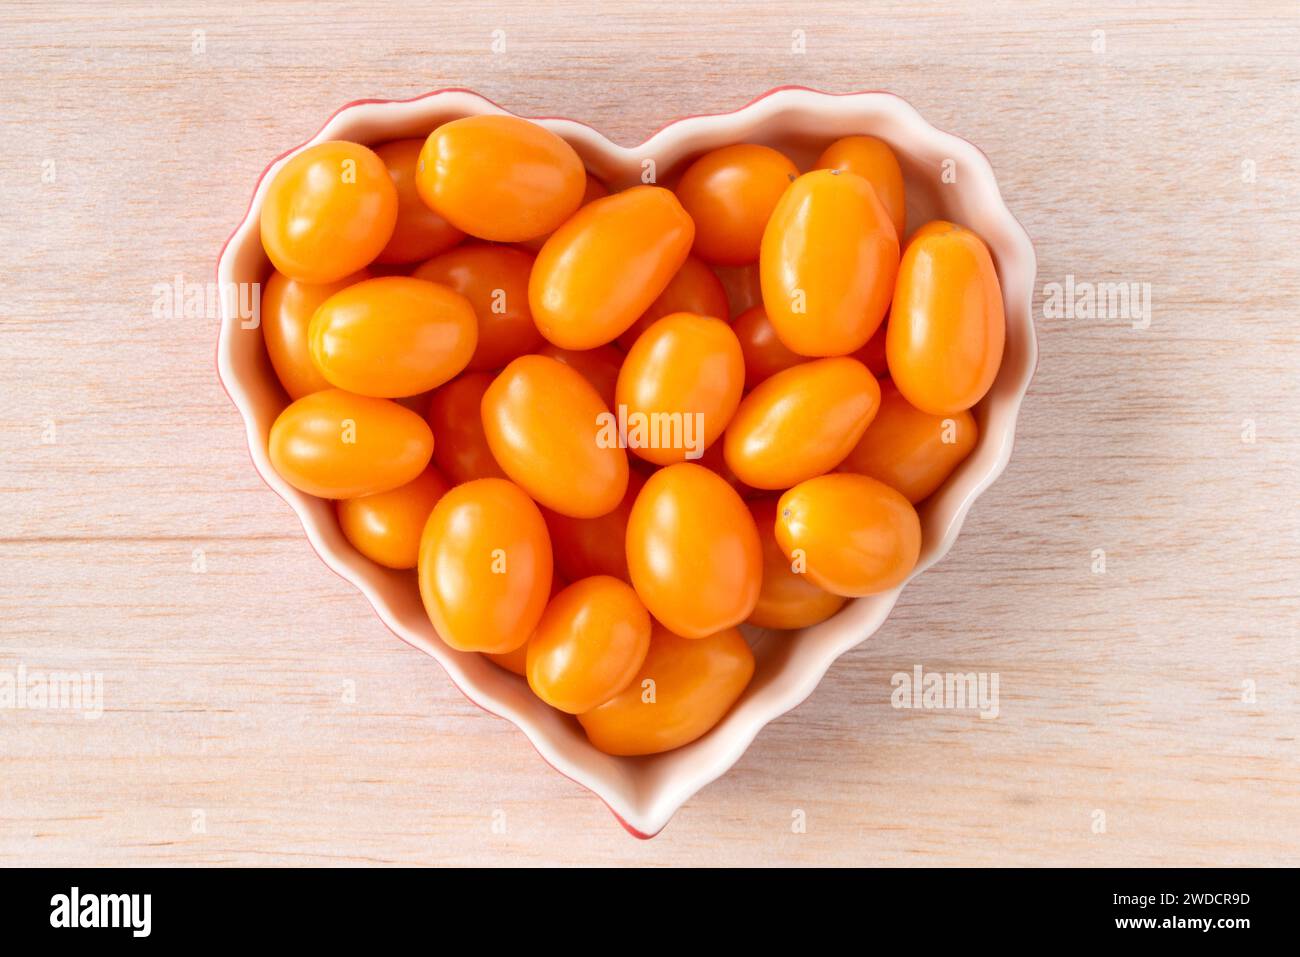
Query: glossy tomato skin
(287, 308)
(855, 536)
(607, 264)
(419, 232)
(386, 526)
(787, 599)
(485, 566)
(500, 177)
(334, 444)
(828, 263)
(549, 430)
(392, 336)
(328, 212)
(693, 551)
(947, 328)
(910, 450)
(595, 190)
(765, 354)
(801, 422)
(594, 546)
(599, 366)
(495, 281)
(684, 688)
(589, 645)
(730, 194)
(695, 289)
(684, 366)
(874, 161)
(462, 452)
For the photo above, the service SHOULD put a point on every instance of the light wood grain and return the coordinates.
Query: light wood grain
(224, 691)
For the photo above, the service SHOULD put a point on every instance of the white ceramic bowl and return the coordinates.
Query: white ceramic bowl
(645, 792)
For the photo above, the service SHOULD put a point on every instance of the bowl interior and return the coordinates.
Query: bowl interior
(946, 177)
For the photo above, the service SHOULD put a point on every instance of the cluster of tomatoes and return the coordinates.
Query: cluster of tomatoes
(600, 456)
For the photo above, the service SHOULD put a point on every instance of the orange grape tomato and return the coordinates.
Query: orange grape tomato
(684, 688)
(744, 290)
(485, 566)
(830, 255)
(874, 161)
(910, 450)
(852, 535)
(695, 289)
(687, 371)
(599, 366)
(765, 354)
(461, 451)
(500, 177)
(287, 308)
(787, 599)
(730, 193)
(420, 232)
(801, 422)
(589, 645)
(328, 212)
(872, 355)
(595, 190)
(495, 281)
(693, 551)
(947, 327)
(334, 444)
(392, 336)
(386, 526)
(607, 265)
(594, 546)
(548, 428)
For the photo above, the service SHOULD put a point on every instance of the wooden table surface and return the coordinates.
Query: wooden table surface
(255, 711)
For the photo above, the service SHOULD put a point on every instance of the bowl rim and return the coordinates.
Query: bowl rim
(959, 513)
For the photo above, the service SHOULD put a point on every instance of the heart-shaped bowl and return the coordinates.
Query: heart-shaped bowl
(946, 177)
